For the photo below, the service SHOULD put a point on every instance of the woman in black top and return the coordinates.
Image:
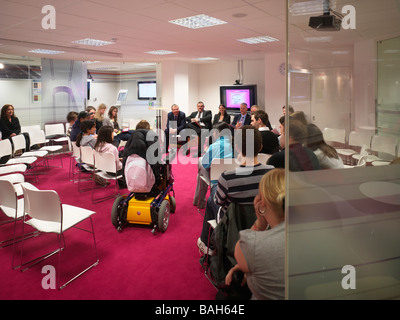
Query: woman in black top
(9, 122)
(222, 116)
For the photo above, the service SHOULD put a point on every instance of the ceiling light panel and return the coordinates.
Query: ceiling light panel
(93, 42)
(161, 52)
(44, 51)
(196, 22)
(255, 40)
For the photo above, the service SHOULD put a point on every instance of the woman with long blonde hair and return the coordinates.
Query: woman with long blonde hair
(260, 251)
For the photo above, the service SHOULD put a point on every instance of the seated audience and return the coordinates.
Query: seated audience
(239, 185)
(300, 158)
(72, 116)
(290, 108)
(260, 251)
(270, 142)
(99, 116)
(9, 123)
(104, 144)
(87, 135)
(112, 120)
(176, 122)
(200, 122)
(220, 149)
(327, 155)
(76, 127)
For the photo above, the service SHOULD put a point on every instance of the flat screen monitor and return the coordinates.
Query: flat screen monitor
(233, 96)
(147, 90)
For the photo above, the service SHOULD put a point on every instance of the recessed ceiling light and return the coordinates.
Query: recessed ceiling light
(45, 51)
(261, 39)
(199, 21)
(160, 52)
(318, 39)
(93, 42)
(206, 59)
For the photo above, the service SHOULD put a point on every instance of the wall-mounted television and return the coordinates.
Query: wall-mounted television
(233, 96)
(147, 90)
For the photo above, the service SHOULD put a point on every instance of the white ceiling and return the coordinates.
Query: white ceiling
(138, 26)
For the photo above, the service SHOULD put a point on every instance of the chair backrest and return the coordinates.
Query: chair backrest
(43, 205)
(54, 129)
(218, 166)
(76, 152)
(105, 161)
(8, 197)
(86, 155)
(387, 145)
(19, 142)
(29, 129)
(335, 135)
(37, 137)
(358, 139)
(5, 148)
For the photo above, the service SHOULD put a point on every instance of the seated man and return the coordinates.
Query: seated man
(220, 149)
(243, 118)
(239, 185)
(176, 121)
(200, 122)
(300, 158)
(270, 142)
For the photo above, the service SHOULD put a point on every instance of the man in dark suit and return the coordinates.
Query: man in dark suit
(200, 122)
(243, 118)
(176, 121)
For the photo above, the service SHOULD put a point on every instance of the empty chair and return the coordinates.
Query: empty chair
(37, 137)
(383, 148)
(105, 166)
(19, 143)
(356, 140)
(56, 133)
(45, 213)
(335, 137)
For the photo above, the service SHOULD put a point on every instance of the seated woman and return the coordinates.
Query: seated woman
(10, 124)
(327, 155)
(260, 251)
(99, 116)
(221, 116)
(86, 136)
(112, 120)
(104, 144)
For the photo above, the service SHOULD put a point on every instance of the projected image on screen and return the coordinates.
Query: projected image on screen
(235, 97)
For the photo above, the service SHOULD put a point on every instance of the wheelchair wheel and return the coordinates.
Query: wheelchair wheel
(172, 202)
(117, 212)
(163, 216)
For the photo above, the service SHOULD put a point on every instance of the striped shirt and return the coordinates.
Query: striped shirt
(240, 185)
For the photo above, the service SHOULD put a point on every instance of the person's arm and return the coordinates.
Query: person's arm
(240, 259)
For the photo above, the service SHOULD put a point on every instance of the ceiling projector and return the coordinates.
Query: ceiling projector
(326, 22)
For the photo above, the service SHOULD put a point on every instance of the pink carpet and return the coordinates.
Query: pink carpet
(134, 264)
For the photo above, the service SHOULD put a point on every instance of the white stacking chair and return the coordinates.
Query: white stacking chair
(106, 168)
(6, 150)
(383, 149)
(38, 137)
(45, 213)
(355, 142)
(14, 168)
(56, 133)
(87, 162)
(74, 160)
(335, 137)
(19, 143)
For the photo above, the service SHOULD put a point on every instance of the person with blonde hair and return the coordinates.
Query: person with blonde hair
(99, 116)
(260, 251)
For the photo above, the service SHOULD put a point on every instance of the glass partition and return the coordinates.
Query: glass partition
(343, 199)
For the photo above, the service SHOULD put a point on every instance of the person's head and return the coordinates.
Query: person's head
(143, 124)
(243, 108)
(72, 116)
(113, 113)
(254, 108)
(300, 116)
(7, 111)
(297, 132)
(200, 106)
(101, 109)
(222, 129)
(175, 109)
(84, 115)
(222, 109)
(290, 108)
(248, 141)
(87, 127)
(315, 140)
(91, 110)
(272, 192)
(105, 135)
(259, 119)
(281, 124)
